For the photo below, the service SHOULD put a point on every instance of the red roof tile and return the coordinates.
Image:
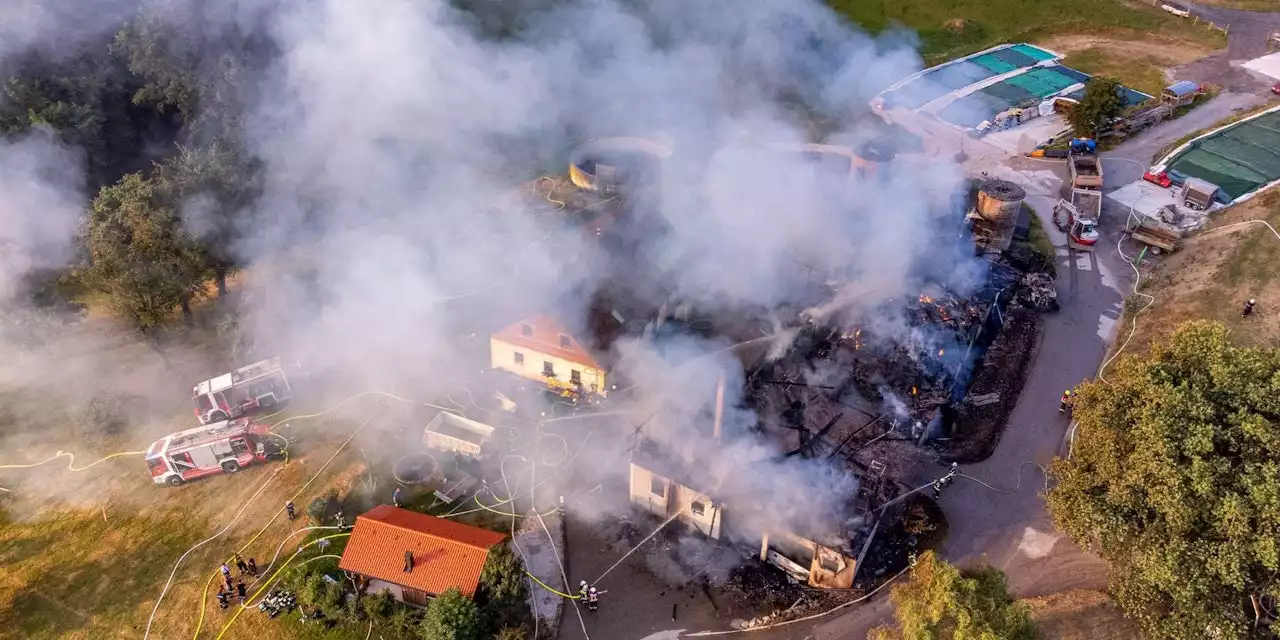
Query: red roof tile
(546, 339)
(445, 553)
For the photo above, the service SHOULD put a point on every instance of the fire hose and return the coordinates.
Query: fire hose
(268, 581)
(70, 462)
(204, 597)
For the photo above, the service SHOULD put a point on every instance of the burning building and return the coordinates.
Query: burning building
(670, 487)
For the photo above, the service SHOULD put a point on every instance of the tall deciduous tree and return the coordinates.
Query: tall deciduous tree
(1175, 479)
(139, 256)
(451, 616)
(940, 602)
(216, 186)
(85, 101)
(1102, 103)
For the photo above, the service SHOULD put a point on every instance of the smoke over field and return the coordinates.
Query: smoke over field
(393, 137)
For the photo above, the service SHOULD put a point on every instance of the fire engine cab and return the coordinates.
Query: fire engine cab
(221, 447)
(261, 385)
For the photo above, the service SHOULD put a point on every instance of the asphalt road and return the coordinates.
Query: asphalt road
(1128, 162)
(1247, 35)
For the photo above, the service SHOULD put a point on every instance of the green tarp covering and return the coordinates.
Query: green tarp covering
(1239, 159)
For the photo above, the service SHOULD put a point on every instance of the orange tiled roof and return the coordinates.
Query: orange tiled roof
(445, 553)
(546, 339)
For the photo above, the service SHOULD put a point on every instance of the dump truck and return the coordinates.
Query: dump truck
(1086, 170)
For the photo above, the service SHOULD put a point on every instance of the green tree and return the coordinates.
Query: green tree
(1175, 480)
(451, 616)
(502, 578)
(940, 602)
(216, 185)
(1102, 103)
(378, 605)
(85, 101)
(139, 256)
(188, 64)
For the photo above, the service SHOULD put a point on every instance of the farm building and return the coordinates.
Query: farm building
(668, 488)
(660, 485)
(540, 348)
(450, 432)
(415, 556)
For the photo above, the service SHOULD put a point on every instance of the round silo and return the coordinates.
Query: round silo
(999, 203)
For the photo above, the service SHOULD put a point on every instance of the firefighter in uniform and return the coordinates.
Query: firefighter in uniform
(1066, 401)
(288, 507)
(593, 599)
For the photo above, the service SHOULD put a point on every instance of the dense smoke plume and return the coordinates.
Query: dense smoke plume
(41, 200)
(394, 137)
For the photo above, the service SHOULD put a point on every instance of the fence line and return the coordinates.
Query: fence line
(1186, 13)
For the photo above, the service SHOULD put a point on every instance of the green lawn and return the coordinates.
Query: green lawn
(1245, 5)
(953, 28)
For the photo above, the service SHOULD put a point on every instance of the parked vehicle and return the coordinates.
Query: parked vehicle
(1081, 228)
(221, 447)
(1198, 194)
(1086, 168)
(262, 385)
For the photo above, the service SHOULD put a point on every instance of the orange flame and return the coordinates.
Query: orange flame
(926, 299)
(941, 351)
(913, 391)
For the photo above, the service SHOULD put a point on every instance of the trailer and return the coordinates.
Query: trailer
(1154, 233)
(221, 447)
(262, 385)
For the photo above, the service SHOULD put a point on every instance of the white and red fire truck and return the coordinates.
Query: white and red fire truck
(261, 385)
(221, 447)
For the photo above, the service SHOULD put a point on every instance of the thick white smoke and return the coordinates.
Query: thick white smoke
(41, 201)
(394, 136)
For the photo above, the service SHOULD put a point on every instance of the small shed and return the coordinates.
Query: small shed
(1180, 93)
(449, 432)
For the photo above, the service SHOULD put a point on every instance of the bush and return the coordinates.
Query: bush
(378, 605)
(317, 511)
(451, 616)
(502, 578)
(512, 633)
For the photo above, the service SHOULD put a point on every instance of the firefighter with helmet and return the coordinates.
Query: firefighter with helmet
(582, 590)
(1066, 401)
(593, 599)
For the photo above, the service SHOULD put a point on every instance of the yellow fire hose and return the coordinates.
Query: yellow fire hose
(268, 581)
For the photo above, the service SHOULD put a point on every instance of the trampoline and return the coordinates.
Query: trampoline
(1239, 159)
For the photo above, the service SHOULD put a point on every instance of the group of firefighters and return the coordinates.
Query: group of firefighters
(590, 595)
(236, 588)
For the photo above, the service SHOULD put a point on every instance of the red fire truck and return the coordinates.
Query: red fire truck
(221, 447)
(261, 385)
